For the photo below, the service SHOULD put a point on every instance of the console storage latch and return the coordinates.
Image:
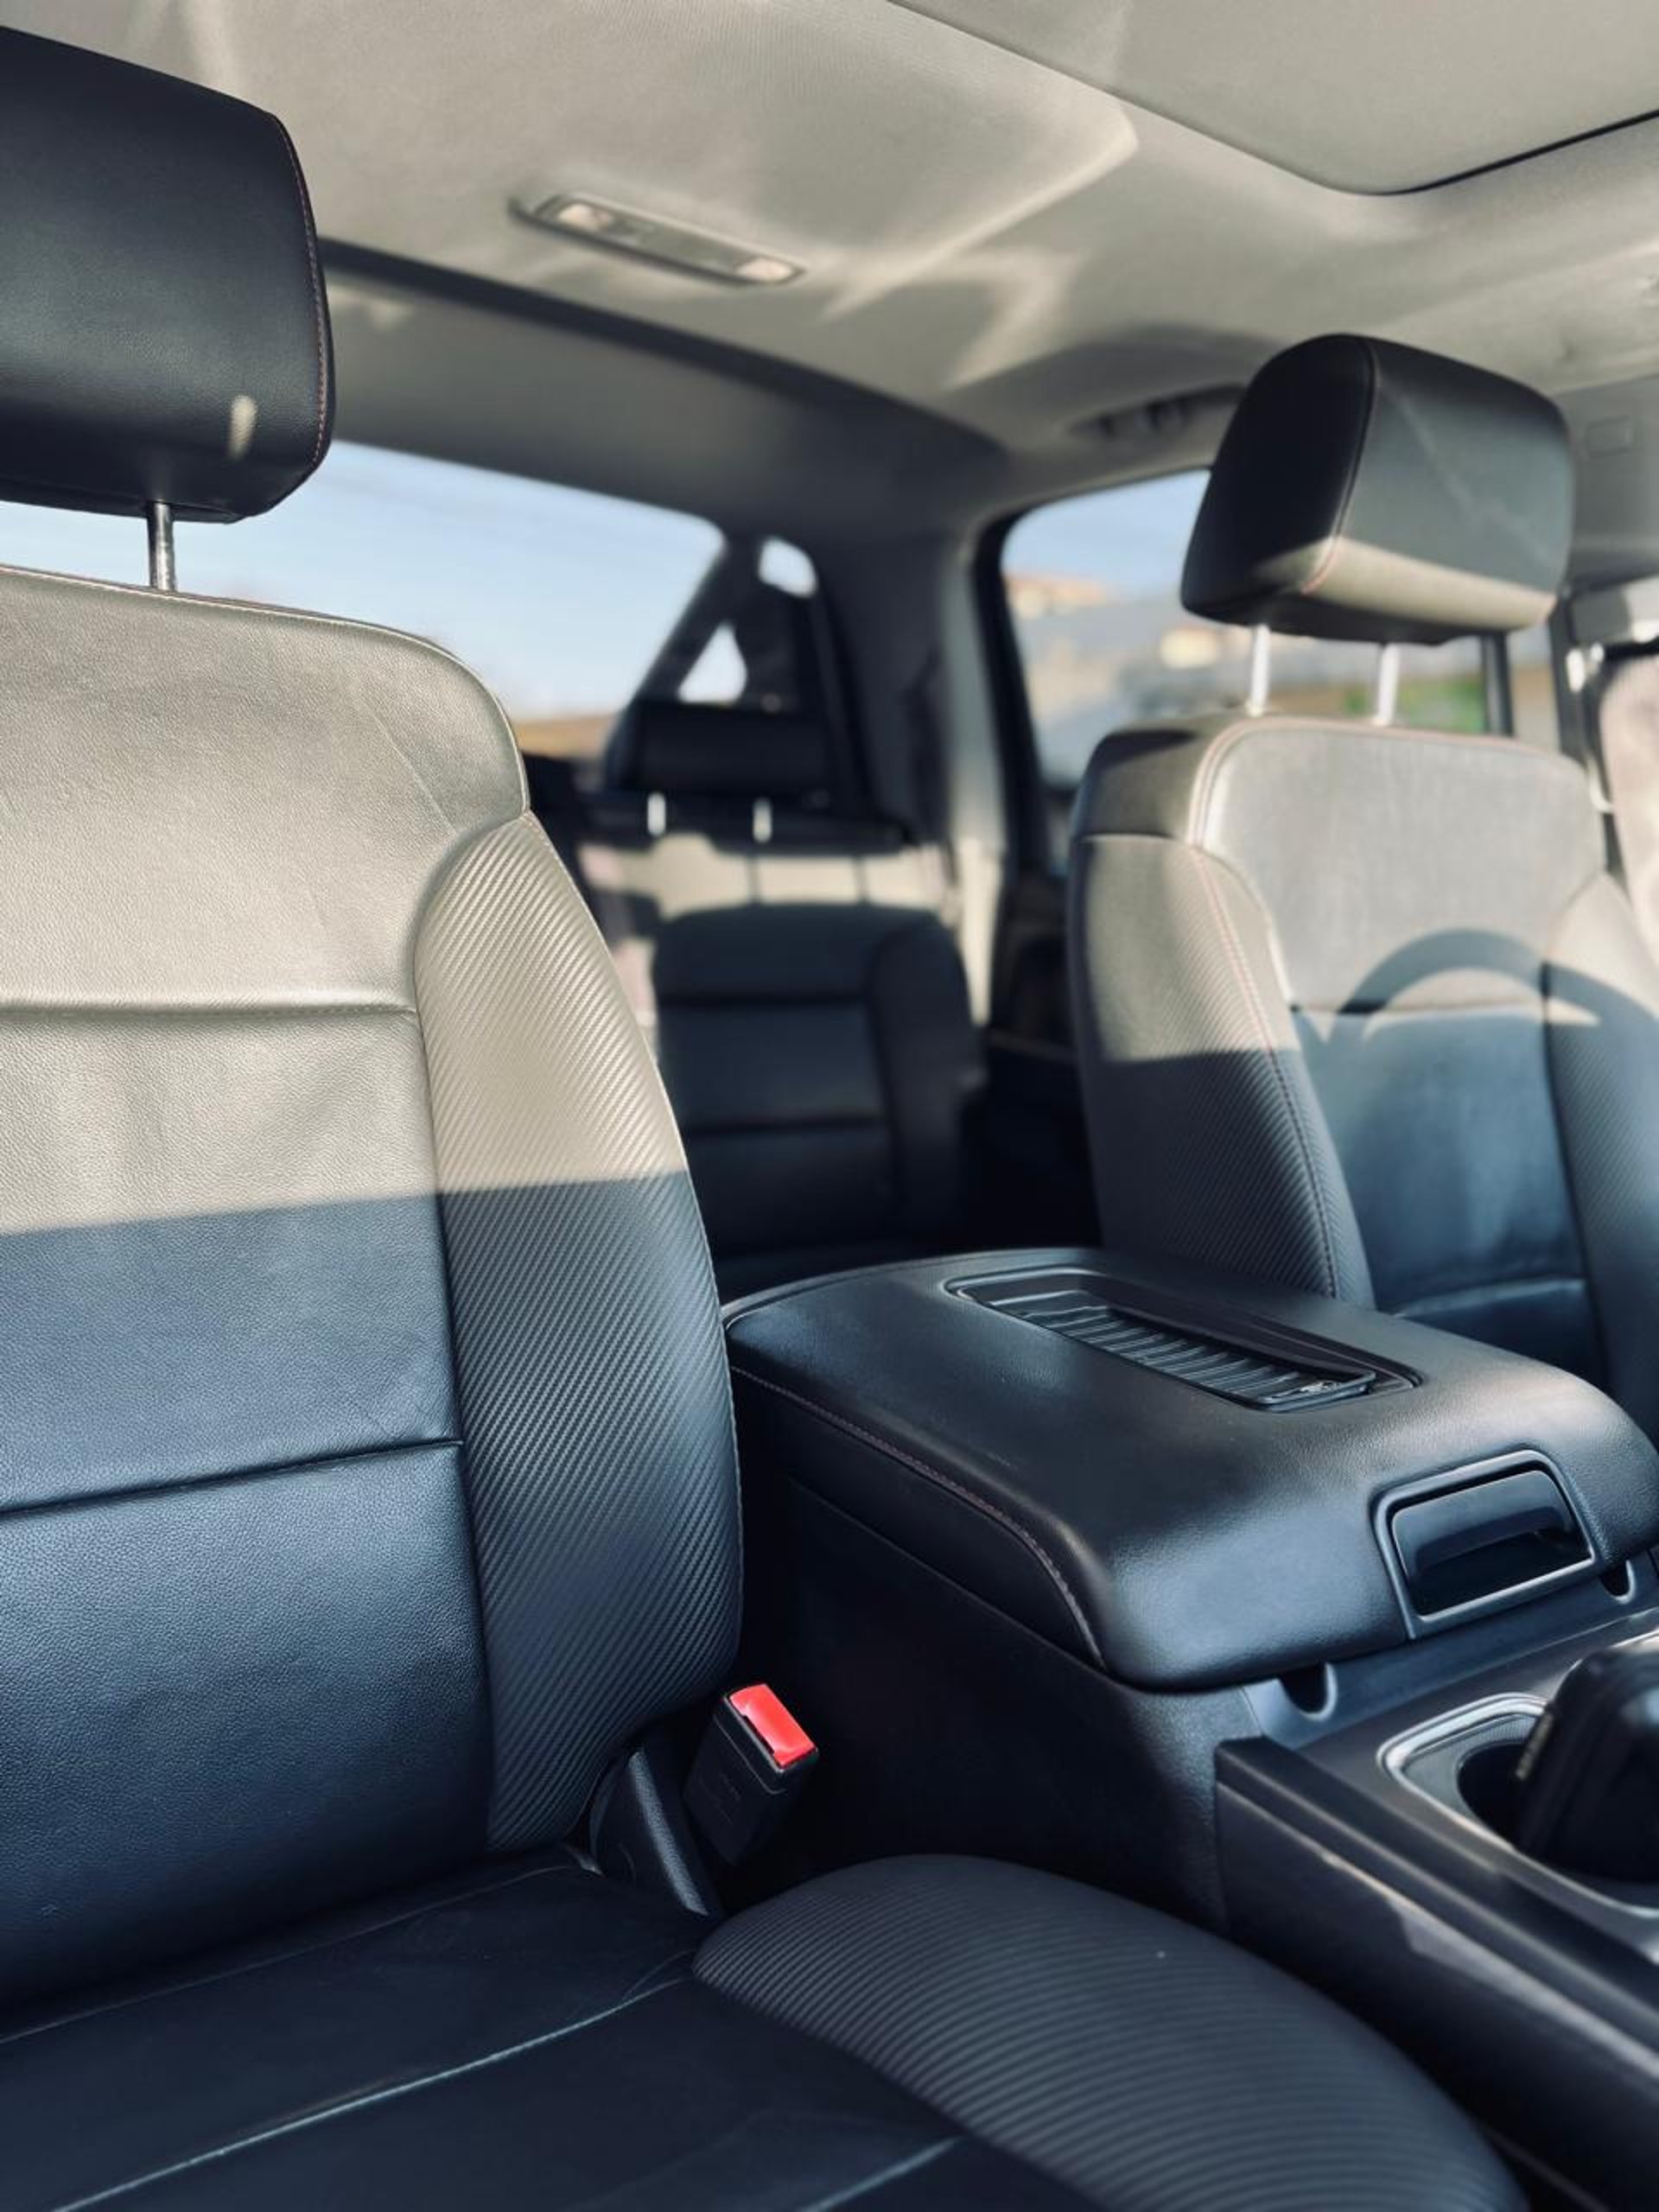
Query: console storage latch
(1472, 1543)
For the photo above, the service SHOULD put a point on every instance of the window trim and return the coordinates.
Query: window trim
(1025, 798)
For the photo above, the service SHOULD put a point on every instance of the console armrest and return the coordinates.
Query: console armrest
(1183, 1479)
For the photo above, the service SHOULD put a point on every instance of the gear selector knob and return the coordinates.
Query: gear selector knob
(1585, 1791)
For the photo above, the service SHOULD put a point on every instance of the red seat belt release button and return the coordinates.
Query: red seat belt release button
(771, 1719)
(753, 1758)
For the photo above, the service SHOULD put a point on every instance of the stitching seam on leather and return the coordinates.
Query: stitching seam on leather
(1234, 953)
(319, 324)
(1226, 739)
(368, 2100)
(267, 1961)
(901, 2170)
(1208, 771)
(938, 1477)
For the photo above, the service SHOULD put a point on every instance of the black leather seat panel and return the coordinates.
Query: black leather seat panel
(232, 1702)
(927, 2034)
(528, 2035)
(1450, 1110)
(820, 1060)
(809, 1005)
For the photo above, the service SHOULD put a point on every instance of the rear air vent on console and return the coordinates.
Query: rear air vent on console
(1253, 1365)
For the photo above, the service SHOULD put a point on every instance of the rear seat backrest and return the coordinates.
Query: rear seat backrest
(807, 1002)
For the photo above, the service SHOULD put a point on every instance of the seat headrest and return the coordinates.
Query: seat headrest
(1368, 491)
(689, 751)
(163, 335)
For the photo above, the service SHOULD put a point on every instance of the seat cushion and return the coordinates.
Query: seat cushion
(932, 2033)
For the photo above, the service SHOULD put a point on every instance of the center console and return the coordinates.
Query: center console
(1244, 1602)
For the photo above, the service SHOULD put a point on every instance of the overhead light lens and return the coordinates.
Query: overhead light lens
(765, 269)
(582, 215)
(696, 253)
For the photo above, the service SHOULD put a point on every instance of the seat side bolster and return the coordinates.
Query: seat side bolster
(1601, 992)
(1209, 1141)
(595, 1405)
(1130, 2057)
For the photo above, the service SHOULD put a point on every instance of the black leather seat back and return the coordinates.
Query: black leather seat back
(1357, 1005)
(819, 1059)
(807, 1001)
(368, 1476)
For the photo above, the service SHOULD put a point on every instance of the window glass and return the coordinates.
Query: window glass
(718, 677)
(1624, 700)
(560, 599)
(1532, 682)
(1094, 587)
(749, 638)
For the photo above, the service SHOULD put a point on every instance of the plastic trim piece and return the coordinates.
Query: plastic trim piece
(1229, 1355)
(1419, 1623)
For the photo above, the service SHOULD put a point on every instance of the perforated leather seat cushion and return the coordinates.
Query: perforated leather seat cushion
(923, 2034)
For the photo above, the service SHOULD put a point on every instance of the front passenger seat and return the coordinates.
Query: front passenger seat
(368, 1476)
(1360, 1010)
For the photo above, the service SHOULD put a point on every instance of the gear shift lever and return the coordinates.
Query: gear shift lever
(1585, 1788)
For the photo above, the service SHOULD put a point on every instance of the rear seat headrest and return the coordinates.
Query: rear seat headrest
(683, 750)
(165, 336)
(1368, 491)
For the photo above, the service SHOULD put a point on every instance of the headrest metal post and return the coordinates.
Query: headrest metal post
(159, 517)
(1256, 698)
(1385, 701)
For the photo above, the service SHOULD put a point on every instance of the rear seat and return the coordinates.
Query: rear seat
(806, 1004)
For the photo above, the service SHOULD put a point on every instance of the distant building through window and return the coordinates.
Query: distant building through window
(1094, 588)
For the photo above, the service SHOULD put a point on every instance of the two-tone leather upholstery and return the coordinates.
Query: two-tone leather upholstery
(1360, 1011)
(367, 1485)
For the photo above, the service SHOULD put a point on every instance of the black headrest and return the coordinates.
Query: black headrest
(163, 334)
(1366, 490)
(688, 751)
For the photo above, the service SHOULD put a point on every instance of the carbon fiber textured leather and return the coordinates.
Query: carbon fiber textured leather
(1208, 1139)
(1145, 2064)
(594, 1400)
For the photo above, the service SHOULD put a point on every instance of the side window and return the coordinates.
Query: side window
(1624, 699)
(1094, 590)
(560, 599)
(750, 636)
(1532, 689)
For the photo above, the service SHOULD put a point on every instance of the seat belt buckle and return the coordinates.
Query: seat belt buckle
(750, 1769)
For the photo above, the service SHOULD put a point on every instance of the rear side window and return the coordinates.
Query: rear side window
(1094, 590)
(561, 600)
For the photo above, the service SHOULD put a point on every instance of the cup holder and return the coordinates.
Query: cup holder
(1487, 1784)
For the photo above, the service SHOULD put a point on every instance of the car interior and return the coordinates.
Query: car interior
(830, 899)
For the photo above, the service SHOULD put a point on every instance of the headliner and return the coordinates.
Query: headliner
(1032, 247)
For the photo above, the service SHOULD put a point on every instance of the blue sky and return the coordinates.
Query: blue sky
(558, 598)
(1133, 538)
